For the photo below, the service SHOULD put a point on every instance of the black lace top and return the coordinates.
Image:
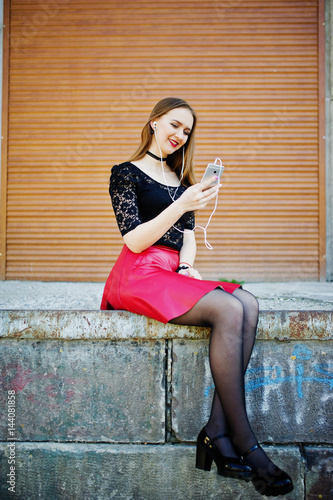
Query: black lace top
(138, 198)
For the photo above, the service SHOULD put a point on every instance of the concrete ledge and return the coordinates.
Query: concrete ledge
(61, 471)
(119, 325)
(33, 295)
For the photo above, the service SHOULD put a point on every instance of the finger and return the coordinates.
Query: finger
(211, 193)
(215, 189)
(211, 190)
(204, 198)
(207, 182)
(205, 202)
(207, 198)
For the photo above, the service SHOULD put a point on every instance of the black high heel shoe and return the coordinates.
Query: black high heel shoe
(226, 466)
(272, 483)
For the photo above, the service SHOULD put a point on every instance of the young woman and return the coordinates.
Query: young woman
(154, 197)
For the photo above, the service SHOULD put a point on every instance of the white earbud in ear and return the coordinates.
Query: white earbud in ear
(153, 128)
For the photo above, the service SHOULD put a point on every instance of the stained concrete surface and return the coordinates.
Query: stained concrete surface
(288, 390)
(60, 471)
(291, 362)
(87, 296)
(102, 391)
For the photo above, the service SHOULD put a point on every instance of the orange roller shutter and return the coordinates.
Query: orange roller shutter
(83, 78)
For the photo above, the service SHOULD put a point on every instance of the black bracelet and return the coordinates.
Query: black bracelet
(181, 267)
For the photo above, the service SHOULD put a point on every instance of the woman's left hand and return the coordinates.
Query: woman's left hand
(192, 273)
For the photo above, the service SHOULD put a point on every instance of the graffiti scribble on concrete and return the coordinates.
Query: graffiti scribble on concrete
(273, 375)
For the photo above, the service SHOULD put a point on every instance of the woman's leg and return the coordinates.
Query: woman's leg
(226, 315)
(217, 423)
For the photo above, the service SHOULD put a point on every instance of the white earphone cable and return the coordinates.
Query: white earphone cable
(166, 182)
(208, 245)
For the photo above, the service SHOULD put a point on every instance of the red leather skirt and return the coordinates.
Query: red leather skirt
(146, 283)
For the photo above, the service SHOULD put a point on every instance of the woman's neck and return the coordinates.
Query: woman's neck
(156, 157)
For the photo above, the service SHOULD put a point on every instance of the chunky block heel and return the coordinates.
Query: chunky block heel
(226, 466)
(203, 459)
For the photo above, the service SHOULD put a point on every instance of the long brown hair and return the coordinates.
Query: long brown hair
(175, 160)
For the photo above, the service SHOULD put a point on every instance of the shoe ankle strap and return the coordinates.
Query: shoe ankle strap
(219, 436)
(250, 450)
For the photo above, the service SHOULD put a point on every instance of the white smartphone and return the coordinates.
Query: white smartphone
(213, 170)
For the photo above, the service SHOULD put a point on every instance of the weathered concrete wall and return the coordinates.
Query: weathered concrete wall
(109, 404)
(52, 471)
(288, 390)
(64, 471)
(85, 391)
(115, 391)
(319, 472)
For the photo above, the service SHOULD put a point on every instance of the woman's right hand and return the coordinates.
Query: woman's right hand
(198, 196)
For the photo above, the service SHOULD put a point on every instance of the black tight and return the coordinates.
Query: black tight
(233, 321)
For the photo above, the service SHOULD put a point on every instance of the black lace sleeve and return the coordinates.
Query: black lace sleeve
(123, 192)
(189, 221)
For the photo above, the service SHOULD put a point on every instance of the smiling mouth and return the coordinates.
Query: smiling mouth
(173, 143)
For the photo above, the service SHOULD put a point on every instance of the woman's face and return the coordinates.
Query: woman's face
(173, 129)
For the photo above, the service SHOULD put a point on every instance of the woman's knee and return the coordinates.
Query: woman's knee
(221, 308)
(249, 301)
(231, 312)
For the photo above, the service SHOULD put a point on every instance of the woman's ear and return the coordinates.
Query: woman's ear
(153, 125)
